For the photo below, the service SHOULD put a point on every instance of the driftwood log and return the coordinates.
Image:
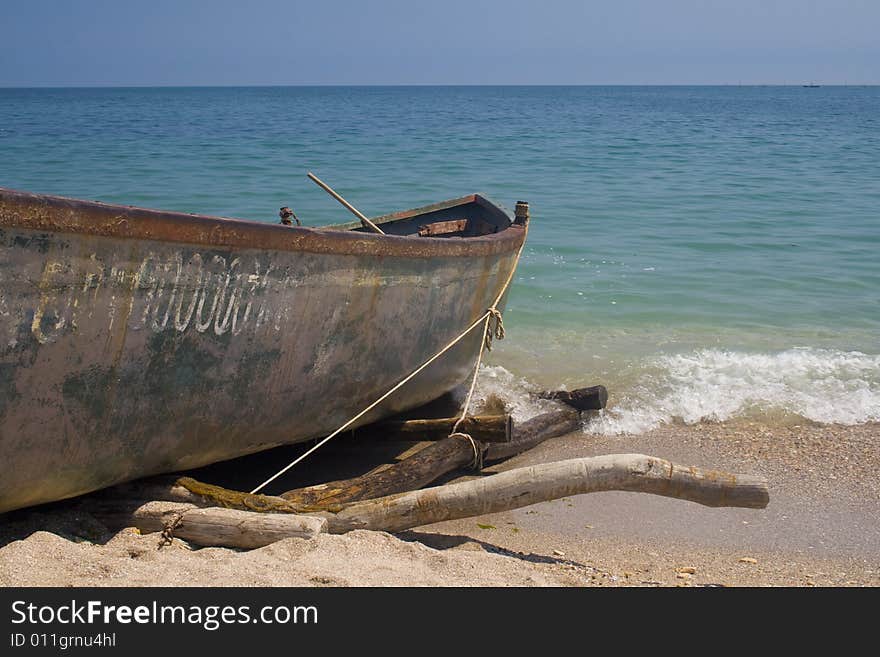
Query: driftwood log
(533, 432)
(501, 492)
(224, 527)
(593, 398)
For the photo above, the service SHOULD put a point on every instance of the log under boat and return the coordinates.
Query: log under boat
(135, 342)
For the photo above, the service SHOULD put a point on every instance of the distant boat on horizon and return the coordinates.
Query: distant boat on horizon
(812, 85)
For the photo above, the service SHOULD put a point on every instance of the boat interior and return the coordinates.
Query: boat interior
(469, 216)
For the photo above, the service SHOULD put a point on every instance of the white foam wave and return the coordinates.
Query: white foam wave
(822, 385)
(516, 392)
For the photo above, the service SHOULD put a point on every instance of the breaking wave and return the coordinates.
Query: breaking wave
(517, 393)
(822, 385)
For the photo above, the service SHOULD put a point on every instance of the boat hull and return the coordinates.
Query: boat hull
(123, 357)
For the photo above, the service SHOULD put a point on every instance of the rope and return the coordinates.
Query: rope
(478, 453)
(167, 535)
(492, 315)
(496, 333)
(486, 317)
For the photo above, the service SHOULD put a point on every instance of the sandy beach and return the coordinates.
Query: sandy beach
(822, 528)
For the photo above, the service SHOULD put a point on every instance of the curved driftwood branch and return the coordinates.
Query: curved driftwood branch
(539, 483)
(416, 471)
(187, 489)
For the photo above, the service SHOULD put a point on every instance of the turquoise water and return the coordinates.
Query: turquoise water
(707, 253)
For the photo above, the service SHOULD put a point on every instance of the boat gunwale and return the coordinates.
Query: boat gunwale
(58, 214)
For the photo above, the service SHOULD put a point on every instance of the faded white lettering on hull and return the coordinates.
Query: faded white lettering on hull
(177, 290)
(200, 292)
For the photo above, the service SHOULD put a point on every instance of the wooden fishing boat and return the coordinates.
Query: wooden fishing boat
(136, 341)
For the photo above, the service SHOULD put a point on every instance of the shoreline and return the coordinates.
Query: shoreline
(822, 528)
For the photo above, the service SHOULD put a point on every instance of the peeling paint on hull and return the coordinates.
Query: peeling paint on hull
(125, 356)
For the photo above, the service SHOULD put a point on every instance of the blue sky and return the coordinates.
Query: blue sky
(189, 42)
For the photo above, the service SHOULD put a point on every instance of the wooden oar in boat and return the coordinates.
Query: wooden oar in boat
(357, 213)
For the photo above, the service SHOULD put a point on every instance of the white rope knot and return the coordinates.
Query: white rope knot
(494, 327)
(478, 453)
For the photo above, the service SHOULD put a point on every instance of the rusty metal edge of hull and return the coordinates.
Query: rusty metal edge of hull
(60, 214)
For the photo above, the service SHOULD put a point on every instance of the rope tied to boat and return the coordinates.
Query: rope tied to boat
(485, 345)
(495, 329)
(492, 316)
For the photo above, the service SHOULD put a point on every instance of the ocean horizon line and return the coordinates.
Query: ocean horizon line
(437, 85)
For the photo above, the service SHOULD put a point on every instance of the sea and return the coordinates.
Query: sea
(709, 254)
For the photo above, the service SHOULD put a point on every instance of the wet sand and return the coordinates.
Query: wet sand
(822, 528)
